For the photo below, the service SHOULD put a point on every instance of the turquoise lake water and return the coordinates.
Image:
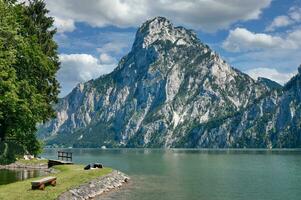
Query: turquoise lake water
(199, 174)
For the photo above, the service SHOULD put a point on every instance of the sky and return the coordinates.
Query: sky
(259, 37)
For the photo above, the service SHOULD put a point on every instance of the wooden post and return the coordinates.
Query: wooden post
(64, 155)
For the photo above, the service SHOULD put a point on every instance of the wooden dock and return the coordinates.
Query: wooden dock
(52, 163)
(61, 155)
(64, 158)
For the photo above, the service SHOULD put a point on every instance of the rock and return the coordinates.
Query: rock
(17, 165)
(100, 185)
(28, 157)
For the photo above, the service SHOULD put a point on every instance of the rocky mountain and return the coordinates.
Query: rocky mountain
(171, 90)
(272, 121)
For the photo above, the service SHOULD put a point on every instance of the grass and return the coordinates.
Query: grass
(32, 161)
(69, 177)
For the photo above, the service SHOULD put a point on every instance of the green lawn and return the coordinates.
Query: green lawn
(68, 177)
(32, 161)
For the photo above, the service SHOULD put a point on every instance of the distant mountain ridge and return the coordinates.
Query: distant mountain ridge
(171, 90)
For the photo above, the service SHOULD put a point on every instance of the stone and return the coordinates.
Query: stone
(101, 185)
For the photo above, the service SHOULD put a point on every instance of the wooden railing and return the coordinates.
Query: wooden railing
(67, 156)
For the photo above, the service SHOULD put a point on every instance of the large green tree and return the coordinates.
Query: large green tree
(28, 64)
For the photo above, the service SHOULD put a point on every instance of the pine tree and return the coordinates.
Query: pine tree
(41, 25)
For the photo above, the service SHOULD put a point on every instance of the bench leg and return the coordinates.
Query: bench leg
(42, 187)
(36, 187)
(53, 183)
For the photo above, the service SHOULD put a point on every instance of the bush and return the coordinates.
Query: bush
(10, 151)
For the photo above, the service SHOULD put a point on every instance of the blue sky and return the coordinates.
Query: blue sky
(259, 37)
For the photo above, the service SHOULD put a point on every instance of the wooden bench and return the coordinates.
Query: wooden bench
(40, 184)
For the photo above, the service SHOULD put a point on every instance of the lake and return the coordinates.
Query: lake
(199, 174)
(10, 176)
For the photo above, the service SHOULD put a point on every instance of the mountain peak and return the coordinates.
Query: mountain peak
(161, 29)
(299, 69)
(158, 20)
(155, 24)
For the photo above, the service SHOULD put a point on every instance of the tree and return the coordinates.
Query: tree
(28, 64)
(37, 24)
(8, 85)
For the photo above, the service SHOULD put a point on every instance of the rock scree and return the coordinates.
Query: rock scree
(96, 187)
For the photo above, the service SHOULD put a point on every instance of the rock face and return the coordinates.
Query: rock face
(272, 121)
(171, 90)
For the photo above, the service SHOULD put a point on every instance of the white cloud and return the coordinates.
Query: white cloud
(207, 15)
(273, 74)
(266, 55)
(64, 25)
(77, 68)
(280, 21)
(242, 40)
(283, 60)
(113, 47)
(295, 13)
(105, 58)
(293, 17)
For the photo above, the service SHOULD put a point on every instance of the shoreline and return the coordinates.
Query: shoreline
(24, 166)
(96, 187)
(91, 188)
(180, 148)
(43, 166)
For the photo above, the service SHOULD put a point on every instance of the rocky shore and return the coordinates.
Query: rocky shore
(96, 187)
(29, 166)
(24, 166)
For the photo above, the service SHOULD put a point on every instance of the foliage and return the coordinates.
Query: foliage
(9, 151)
(28, 64)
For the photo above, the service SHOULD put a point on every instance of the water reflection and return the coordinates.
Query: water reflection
(10, 176)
